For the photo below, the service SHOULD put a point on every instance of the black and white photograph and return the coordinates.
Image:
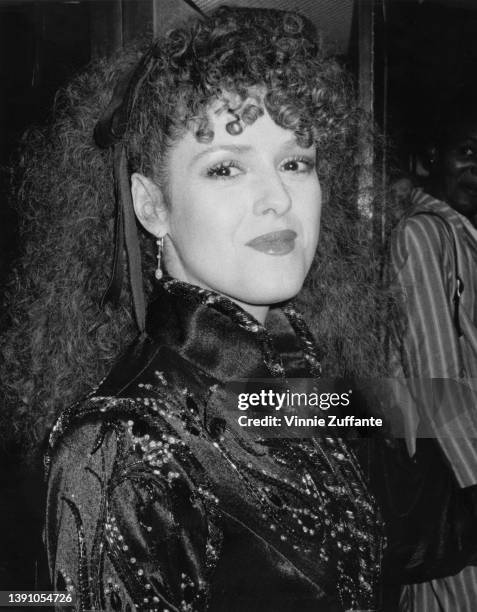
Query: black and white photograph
(238, 316)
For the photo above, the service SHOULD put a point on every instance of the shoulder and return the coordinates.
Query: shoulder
(111, 482)
(117, 449)
(150, 364)
(152, 394)
(151, 385)
(114, 424)
(420, 236)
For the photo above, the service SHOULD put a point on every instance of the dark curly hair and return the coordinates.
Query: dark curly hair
(60, 343)
(223, 58)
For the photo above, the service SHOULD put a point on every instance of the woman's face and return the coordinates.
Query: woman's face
(243, 212)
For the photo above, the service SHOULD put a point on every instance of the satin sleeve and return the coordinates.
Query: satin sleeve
(125, 528)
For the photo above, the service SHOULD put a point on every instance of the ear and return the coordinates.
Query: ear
(429, 158)
(149, 205)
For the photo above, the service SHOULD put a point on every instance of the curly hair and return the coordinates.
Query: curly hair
(60, 343)
(223, 58)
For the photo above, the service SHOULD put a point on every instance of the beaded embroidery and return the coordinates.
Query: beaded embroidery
(310, 497)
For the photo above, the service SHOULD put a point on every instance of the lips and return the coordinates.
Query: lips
(274, 243)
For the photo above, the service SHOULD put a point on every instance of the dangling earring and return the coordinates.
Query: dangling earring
(160, 246)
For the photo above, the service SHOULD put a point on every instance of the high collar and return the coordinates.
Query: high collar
(189, 327)
(220, 338)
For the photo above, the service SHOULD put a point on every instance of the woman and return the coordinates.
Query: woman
(157, 500)
(173, 506)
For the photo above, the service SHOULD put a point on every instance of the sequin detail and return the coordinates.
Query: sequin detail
(306, 498)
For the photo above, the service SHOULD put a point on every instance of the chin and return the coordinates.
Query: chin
(277, 283)
(267, 292)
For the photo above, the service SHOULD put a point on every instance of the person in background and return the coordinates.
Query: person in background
(434, 261)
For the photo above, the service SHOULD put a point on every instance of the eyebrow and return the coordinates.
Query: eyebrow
(216, 148)
(236, 148)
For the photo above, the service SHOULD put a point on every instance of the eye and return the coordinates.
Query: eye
(468, 150)
(299, 165)
(225, 170)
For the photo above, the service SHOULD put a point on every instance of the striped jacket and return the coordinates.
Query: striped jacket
(434, 260)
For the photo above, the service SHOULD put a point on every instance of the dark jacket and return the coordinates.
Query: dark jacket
(158, 500)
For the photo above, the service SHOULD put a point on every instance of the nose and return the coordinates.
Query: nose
(272, 195)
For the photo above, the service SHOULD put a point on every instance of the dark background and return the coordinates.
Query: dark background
(431, 51)
(423, 53)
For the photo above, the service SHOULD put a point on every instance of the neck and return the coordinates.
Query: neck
(257, 311)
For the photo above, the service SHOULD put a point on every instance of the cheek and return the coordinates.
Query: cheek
(185, 210)
(312, 244)
(204, 222)
(311, 216)
(184, 232)
(451, 167)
